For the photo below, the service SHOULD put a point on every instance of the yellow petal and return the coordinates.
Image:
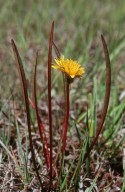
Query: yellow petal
(68, 66)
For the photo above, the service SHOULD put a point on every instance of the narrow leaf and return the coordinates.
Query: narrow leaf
(49, 95)
(107, 95)
(39, 122)
(25, 95)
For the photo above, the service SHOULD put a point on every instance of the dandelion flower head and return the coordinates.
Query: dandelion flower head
(69, 67)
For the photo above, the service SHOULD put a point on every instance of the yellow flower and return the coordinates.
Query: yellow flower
(68, 66)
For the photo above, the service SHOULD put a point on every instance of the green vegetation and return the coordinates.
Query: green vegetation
(77, 34)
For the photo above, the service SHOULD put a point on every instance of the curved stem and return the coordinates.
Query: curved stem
(26, 101)
(107, 95)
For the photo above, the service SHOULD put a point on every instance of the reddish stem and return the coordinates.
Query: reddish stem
(25, 95)
(56, 50)
(107, 96)
(39, 122)
(66, 118)
(49, 95)
(42, 135)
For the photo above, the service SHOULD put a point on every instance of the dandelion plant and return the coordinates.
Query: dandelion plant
(70, 70)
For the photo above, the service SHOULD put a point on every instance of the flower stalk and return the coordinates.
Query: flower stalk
(70, 70)
(66, 119)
